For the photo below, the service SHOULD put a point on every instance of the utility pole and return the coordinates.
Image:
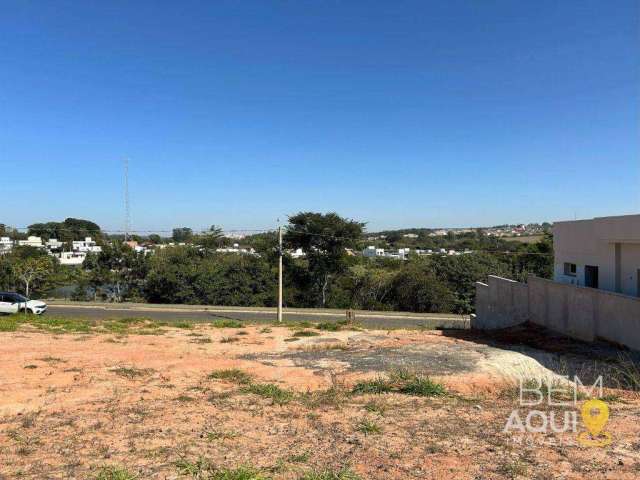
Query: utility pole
(280, 274)
(127, 218)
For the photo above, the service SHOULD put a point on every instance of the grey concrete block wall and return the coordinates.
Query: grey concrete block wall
(579, 312)
(500, 303)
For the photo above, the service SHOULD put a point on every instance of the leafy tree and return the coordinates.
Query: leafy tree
(67, 231)
(118, 271)
(185, 275)
(212, 238)
(462, 271)
(155, 239)
(31, 270)
(324, 238)
(182, 235)
(416, 288)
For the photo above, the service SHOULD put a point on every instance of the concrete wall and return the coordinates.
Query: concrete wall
(500, 303)
(578, 312)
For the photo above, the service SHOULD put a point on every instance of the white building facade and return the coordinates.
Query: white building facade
(600, 253)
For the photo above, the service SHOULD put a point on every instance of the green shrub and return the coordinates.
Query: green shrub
(234, 375)
(227, 323)
(279, 395)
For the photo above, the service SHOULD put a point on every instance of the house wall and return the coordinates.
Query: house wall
(594, 242)
(578, 312)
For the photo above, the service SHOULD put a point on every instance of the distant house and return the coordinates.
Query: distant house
(372, 252)
(410, 235)
(71, 258)
(54, 244)
(87, 245)
(35, 242)
(297, 253)
(600, 253)
(6, 244)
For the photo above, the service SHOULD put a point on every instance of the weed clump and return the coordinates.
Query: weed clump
(227, 323)
(233, 375)
(278, 395)
(401, 381)
(114, 473)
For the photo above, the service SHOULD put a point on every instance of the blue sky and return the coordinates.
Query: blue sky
(401, 114)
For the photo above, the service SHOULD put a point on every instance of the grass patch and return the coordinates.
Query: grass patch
(321, 347)
(30, 367)
(228, 339)
(218, 435)
(266, 330)
(368, 427)
(233, 375)
(58, 324)
(227, 323)
(401, 381)
(627, 373)
(8, 324)
(201, 340)
(305, 333)
(376, 406)
(342, 474)
(132, 372)
(114, 473)
(203, 469)
(183, 324)
(513, 469)
(422, 387)
(299, 458)
(377, 385)
(332, 326)
(50, 359)
(278, 395)
(185, 399)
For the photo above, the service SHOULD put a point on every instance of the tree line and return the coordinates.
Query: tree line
(330, 275)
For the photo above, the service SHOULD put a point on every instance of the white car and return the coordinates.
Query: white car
(14, 303)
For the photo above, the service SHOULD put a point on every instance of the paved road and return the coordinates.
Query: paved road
(174, 313)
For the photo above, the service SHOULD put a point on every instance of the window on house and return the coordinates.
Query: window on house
(570, 269)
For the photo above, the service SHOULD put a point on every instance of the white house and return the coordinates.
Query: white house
(601, 253)
(86, 245)
(371, 252)
(54, 244)
(5, 245)
(31, 242)
(71, 258)
(297, 253)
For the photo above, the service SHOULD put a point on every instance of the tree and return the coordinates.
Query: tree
(183, 234)
(186, 275)
(118, 270)
(212, 238)
(416, 288)
(324, 238)
(68, 230)
(155, 239)
(31, 270)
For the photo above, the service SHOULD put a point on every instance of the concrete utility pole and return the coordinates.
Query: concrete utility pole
(127, 217)
(280, 274)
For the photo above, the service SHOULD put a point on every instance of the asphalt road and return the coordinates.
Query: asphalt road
(171, 313)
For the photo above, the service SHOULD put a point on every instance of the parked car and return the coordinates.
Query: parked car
(14, 302)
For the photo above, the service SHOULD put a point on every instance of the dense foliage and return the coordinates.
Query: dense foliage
(330, 275)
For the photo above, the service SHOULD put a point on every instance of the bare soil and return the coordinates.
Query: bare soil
(71, 404)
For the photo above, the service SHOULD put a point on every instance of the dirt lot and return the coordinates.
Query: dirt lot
(270, 402)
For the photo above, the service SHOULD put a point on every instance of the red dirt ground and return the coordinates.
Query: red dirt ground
(73, 403)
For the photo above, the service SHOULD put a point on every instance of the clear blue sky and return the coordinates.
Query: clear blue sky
(398, 113)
